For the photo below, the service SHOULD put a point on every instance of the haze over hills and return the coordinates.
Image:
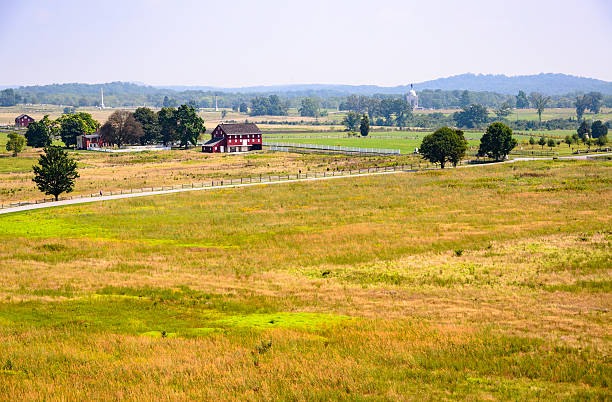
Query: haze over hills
(548, 83)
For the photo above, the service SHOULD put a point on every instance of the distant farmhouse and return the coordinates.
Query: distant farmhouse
(88, 141)
(24, 120)
(241, 137)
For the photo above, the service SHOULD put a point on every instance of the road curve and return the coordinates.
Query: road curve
(182, 190)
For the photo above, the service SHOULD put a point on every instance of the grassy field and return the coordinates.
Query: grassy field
(476, 283)
(112, 172)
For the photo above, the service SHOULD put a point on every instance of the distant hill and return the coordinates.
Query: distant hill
(550, 84)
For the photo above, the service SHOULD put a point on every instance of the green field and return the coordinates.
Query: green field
(476, 283)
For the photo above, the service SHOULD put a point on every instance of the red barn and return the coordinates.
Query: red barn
(23, 121)
(241, 137)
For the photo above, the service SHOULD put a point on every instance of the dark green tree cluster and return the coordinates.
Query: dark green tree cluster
(521, 100)
(497, 142)
(444, 145)
(309, 108)
(364, 126)
(8, 97)
(271, 106)
(75, 124)
(471, 116)
(39, 133)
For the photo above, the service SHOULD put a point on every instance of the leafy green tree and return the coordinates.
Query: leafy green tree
(471, 116)
(223, 114)
(584, 130)
(581, 104)
(8, 97)
(167, 125)
(521, 100)
(121, 128)
(189, 126)
(550, 143)
(594, 101)
(568, 140)
(351, 121)
(168, 102)
(150, 126)
(39, 133)
(402, 110)
(364, 126)
(73, 125)
(598, 129)
(532, 141)
(309, 108)
(539, 102)
(444, 145)
(504, 110)
(244, 108)
(55, 172)
(601, 141)
(497, 142)
(15, 143)
(542, 142)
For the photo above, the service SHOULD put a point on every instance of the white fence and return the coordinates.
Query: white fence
(290, 147)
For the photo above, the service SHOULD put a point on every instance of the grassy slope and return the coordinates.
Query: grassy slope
(482, 283)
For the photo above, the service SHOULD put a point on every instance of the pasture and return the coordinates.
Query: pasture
(476, 283)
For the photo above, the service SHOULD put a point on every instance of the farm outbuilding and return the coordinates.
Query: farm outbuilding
(88, 141)
(239, 137)
(24, 120)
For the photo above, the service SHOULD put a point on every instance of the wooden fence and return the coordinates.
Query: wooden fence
(414, 167)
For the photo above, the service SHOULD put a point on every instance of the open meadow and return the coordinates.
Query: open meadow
(475, 283)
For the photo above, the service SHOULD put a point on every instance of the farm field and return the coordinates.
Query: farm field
(112, 172)
(476, 283)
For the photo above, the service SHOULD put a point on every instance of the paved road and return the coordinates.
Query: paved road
(182, 190)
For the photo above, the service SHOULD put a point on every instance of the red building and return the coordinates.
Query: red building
(23, 121)
(88, 141)
(241, 137)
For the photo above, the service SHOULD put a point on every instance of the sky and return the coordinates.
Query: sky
(268, 42)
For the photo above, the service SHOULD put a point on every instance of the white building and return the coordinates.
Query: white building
(412, 98)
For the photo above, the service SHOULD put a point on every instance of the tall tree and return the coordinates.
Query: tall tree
(539, 102)
(364, 126)
(75, 124)
(594, 100)
(39, 133)
(497, 142)
(402, 110)
(55, 172)
(444, 145)
(465, 99)
(504, 110)
(150, 126)
(15, 143)
(581, 104)
(189, 125)
(121, 128)
(521, 100)
(244, 108)
(598, 129)
(351, 121)
(167, 124)
(309, 108)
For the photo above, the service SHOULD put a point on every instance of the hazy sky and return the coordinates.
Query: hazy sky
(267, 42)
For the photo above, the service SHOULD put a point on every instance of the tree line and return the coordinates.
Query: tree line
(144, 126)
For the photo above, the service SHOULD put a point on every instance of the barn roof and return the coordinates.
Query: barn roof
(240, 128)
(23, 115)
